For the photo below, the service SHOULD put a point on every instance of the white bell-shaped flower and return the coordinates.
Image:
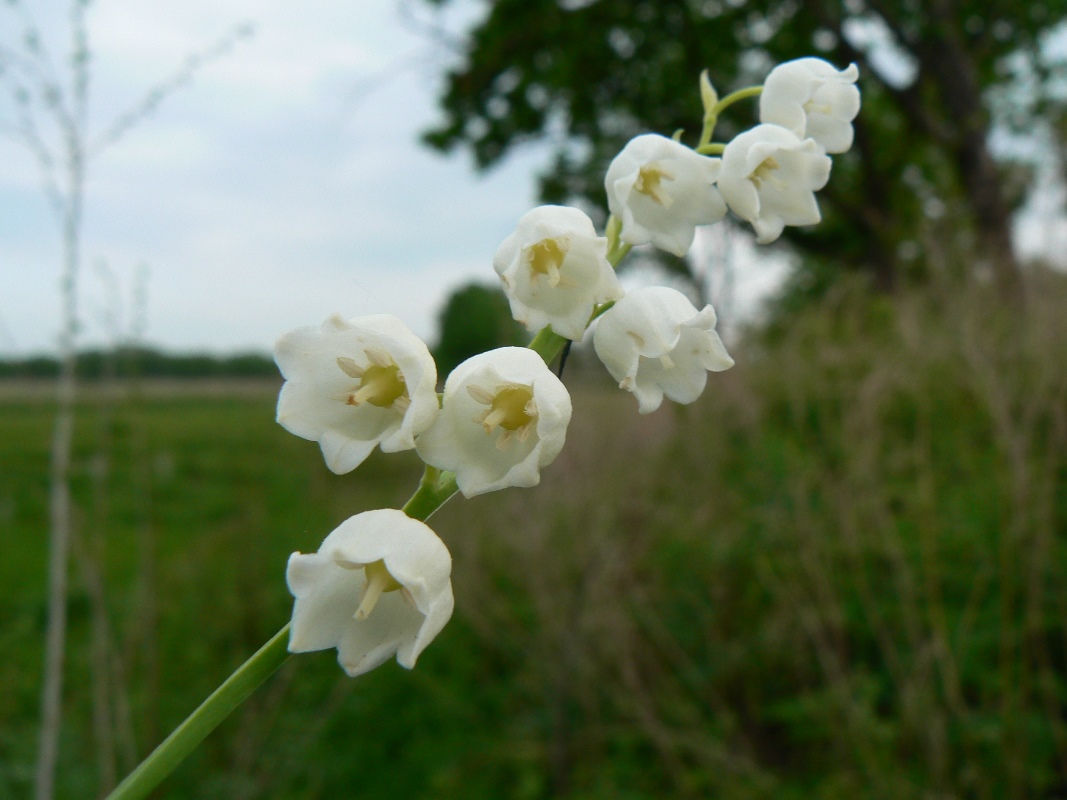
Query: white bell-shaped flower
(354, 384)
(814, 100)
(661, 190)
(555, 269)
(769, 178)
(504, 416)
(654, 343)
(378, 585)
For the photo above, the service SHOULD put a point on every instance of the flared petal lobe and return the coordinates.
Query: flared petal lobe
(814, 100)
(554, 270)
(503, 418)
(353, 385)
(769, 178)
(661, 191)
(655, 343)
(379, 585)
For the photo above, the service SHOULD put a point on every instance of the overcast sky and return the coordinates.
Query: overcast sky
(284, 183)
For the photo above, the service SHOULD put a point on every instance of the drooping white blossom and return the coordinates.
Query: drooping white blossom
(814, 100)
(661, 190)
(378, 585)
(654, 342)
(769, 178)
(504, 416)
(354, 384)
(555, 269)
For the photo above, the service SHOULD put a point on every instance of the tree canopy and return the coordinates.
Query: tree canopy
(920, 189)
(475, 318)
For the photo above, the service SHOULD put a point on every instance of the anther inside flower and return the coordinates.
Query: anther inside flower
(545, 259)
(512, 407)
(648, 182)
(381, 383)
(765, 172)
(378, 582)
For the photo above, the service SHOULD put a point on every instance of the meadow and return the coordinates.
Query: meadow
(841, 574)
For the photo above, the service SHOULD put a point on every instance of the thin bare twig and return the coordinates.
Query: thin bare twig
(166, 87)
(35, 83)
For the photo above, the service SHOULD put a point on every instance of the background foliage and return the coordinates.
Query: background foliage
(840, 574)
(475, 318)
(920, 192)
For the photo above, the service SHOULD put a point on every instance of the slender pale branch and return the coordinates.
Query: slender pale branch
(122, 124)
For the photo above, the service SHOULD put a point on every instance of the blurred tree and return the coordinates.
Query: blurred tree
(475, 318)
(920, 183)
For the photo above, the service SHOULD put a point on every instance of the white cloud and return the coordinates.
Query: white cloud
(270, 192)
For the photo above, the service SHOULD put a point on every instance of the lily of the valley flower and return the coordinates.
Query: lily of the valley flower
(378, 585)
(555, 269)
(814, 100)
(504, 416)
(352, 385)
(661, 190)
(769, 178)
(654, 343)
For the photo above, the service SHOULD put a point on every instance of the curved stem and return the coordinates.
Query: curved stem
(733, 97)
(435, 488)
(173, 750)
(711, 116)
(548, 344)
(713, 149)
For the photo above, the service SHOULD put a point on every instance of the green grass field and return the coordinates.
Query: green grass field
(841, 574)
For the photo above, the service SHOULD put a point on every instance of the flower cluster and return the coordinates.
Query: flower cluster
(380, 584)
(768, 175)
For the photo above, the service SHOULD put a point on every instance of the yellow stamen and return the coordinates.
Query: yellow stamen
(546, 258)
(349, 367)
(648, 182)
(380, 386)
(512, 408)
(765, 172)
(480, 394)
(378, 582)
